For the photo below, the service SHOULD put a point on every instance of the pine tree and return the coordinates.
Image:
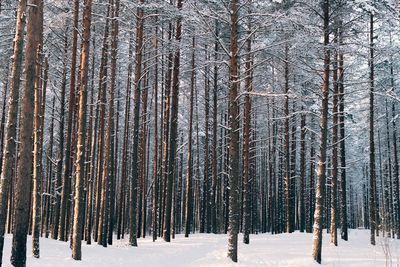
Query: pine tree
(80, 162)
(173, 130)
(136, 126)
(189, 174)
(321, 172)
(372, 174)
(24, 171)
(9, 153)
(234, 218)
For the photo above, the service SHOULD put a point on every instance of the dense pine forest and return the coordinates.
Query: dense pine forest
(153, 118)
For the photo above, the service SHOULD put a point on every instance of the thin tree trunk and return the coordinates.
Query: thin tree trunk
(57, 195)
(303, 172)
(124, 165)
(333, 228)
(109, 143)
(39, 101)
(48, 207)
(214, 163)
(396, 171)
(102, 97)
(138, 73)
(246, 146)
(80, 160)
(42, 201)
(287, 178)
(372, 174)
(155, 143)
(321, 172)
(205, 207)
(343, 196)
(189, 174)
(92, 162)
(174, 129)
(66, 189)
(234, 208)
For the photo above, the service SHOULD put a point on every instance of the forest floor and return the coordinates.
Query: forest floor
(210, 250)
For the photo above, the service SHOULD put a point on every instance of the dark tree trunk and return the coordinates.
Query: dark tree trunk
(333, 227)
(287, 178)
(372, 173)
(189, 174)
(136, 126)
(57, 194)
(174, 130)
(155, 145)
(343, 191)
(303, 172)
(246, 146)
(234, 207)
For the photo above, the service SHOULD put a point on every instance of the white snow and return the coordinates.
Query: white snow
(210, 250)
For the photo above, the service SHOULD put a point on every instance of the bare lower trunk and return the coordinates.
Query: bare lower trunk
(333, 230)
(372, 174)
(24, 169)
(174, 131)
(189, 174)
(233, 227)
(80, 161)
(321, 170)
(8, 159)
(136, 126)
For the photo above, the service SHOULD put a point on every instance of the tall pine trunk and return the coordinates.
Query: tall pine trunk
(333, 229)
(246, 145)
(136, 126)
(372, 172)
(189, 174)
(80, 160)
(321, 170)
(173, 130)
(24, 169)
(9, 157)
(66, 188)
(234, 206)
(343, 191)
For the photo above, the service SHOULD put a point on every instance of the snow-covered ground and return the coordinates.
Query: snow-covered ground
(210, 250)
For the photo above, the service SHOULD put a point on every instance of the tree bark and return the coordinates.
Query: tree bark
(136, 126)
(57, 204)
(287, 178)
(173, 130)
(303, 172)
(66, 188)
(321, 171)
(372, 173)
(333, 228)
(155, 144)
(24, 169)
(8, 159)
(214, 163)
(80, 160)
(234, 208)
(189, 172)
(343, 193)
(246, 145)
(37, 155)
